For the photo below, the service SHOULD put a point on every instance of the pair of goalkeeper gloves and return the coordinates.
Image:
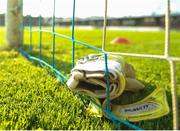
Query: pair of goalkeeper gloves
(91, 77)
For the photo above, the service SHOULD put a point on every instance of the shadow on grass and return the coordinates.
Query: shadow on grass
(7, 53)
(165, 122)
(60, 63)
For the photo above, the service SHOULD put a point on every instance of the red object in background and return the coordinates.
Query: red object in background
(120, 40)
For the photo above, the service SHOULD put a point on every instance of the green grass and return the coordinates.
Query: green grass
(32, 99)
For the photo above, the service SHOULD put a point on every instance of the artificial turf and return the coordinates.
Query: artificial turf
(32, 99)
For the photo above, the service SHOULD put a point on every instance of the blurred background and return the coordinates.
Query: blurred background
(122, 14)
